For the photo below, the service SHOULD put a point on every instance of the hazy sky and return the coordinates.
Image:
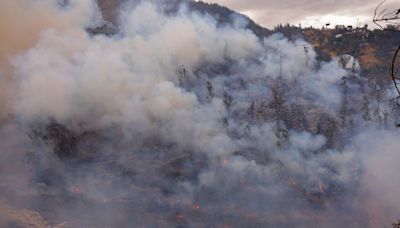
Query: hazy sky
(307, 12)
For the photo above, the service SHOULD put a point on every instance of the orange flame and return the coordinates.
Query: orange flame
(180, 216)
(321, 187)
(226, 161)
(75, 190)
(293, 182)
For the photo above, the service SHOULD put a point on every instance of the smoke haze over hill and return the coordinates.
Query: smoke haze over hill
(177, 120)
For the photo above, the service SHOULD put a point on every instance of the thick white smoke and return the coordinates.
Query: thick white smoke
(178, 111)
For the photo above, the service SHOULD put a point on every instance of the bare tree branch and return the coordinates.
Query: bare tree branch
(383, 15)
(390, 17)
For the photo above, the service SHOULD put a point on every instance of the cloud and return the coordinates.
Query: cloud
(270, 13)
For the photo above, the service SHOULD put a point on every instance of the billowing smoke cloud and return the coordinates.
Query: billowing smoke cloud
(178, 120)
(20, 27)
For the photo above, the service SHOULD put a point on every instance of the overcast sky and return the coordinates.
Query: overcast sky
(307, 12)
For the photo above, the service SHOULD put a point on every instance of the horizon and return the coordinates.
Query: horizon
(307, 13)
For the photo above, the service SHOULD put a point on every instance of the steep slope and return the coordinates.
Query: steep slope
(222, 14)
(182, 121)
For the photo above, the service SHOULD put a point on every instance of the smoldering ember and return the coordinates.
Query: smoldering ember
(178, 113)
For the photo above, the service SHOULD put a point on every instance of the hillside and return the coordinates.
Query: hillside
(372, 48)
(197, 117)
(222, 14)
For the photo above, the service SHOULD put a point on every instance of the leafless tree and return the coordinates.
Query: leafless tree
(390, 17)
(210, 90)
(386, 16)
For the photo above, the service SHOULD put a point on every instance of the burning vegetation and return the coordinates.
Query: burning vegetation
(165, 116)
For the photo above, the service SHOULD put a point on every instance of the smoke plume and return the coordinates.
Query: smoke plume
(178, 120)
